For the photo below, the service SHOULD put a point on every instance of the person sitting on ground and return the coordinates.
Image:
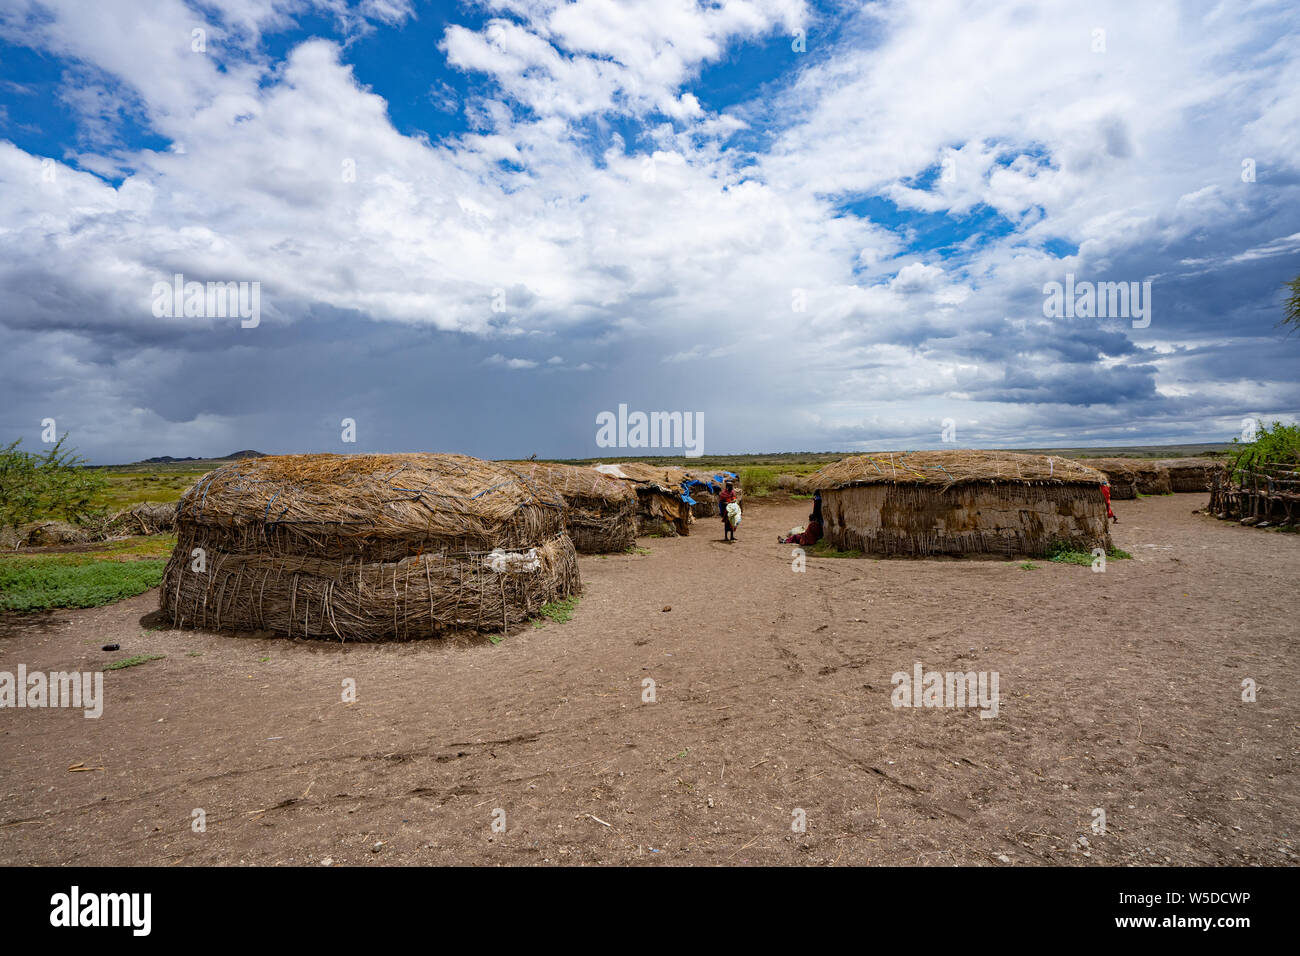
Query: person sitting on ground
(809, 536)
(725, 497)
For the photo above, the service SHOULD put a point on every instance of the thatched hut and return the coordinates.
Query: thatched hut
(599, 511)
(366, 547)
(704, 489)
(661, 503)
(1122, 478)
(1192, 474)
(1147, 475)
(960, 503)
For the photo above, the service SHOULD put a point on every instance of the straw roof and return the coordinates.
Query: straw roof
(1188, 463)
(374, 495)
(1131, 465)
(572, 481)
(661, 477)
(947, 468)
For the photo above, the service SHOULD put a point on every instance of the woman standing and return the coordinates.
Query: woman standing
(725, 498)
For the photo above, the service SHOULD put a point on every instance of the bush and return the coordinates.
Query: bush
(55, 484)
(1276, 444)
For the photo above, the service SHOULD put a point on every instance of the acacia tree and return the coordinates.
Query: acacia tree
(56, 483)
(1291, 308)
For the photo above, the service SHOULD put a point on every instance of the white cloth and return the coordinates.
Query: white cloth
(513, 562)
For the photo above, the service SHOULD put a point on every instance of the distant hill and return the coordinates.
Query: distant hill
(168, 459)
(169, 464)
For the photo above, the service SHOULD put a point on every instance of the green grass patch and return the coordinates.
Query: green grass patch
(127, 549)
(68, 580)
(133, 661)
(1027, 566)
(634, 549)
(823, 550)
(1065, 553)
(561, 612)
(760, 480)
(127, 489)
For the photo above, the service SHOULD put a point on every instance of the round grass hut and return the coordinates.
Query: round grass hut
(366, 547)
(961, 503)
(1147, 476)
(1122, 478)
(599, 511)
(704, 489)
(661, 507)
(1192, 474)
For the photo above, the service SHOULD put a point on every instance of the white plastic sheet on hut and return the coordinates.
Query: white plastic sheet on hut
(512, 562)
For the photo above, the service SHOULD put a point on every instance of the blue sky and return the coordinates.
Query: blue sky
(476, 226)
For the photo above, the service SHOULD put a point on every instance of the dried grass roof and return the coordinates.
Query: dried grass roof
(1133, 466)
(443, 495)
(663, 477)
(946, 468)
(1191, 463)
(572, 481)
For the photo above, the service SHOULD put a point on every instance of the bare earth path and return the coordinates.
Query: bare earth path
(1120, 691)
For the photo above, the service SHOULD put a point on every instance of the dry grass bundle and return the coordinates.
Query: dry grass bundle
(599, 511)
(367, 547)
(1147, 476)
(1192, 474)
(47, 533)
(143, 519)
(917, 504)
(793, 484)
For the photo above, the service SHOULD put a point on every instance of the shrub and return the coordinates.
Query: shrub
(1276, 444)
(55, 484)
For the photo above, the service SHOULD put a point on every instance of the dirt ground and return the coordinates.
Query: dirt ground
(1120, 691)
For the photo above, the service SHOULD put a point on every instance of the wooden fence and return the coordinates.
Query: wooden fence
(1268, 494)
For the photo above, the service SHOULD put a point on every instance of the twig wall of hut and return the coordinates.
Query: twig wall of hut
(1192, 474)
(1148, 477)
(970, 519)
(961, 503)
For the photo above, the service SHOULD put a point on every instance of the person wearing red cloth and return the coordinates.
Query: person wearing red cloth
(1105, 493)
(726, 497)
(811, 534)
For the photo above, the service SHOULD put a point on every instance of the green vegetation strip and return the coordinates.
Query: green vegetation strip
(561, 612)
(822, 549)
(73, 580)
(1065, 554)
